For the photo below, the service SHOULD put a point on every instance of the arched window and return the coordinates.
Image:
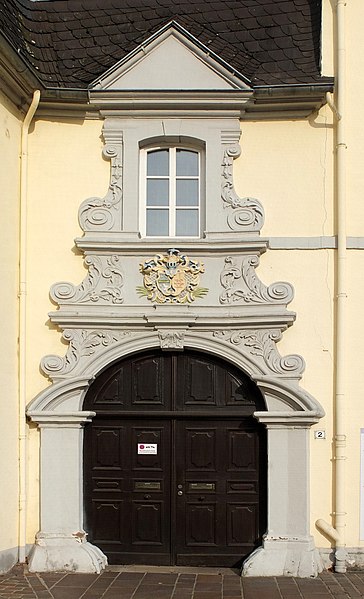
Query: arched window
(170, 192)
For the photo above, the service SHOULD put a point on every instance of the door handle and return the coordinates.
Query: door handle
(201, 498)
(179, 492)
(147, 497)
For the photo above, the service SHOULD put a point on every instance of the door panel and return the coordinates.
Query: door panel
(206, 382)
(141, 383)
(184, 485)
(200, 526)
(148, 383)
(217, 474)
(128, 490)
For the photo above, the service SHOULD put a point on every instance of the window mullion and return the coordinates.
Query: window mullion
(143, 188)
(172, 192)
(199, 194)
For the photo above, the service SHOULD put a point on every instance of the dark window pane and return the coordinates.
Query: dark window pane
(187, 163)
(157, 222)
(187, 192)
(187, 223)
(158, 162)
(157, 192)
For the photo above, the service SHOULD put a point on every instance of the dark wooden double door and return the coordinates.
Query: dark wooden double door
(184, 486)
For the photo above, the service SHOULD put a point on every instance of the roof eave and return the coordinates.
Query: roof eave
(17, 78)
(288, 100)
(265, 102)
(280, 101)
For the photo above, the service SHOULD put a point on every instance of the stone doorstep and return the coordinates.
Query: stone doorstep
(174, 570)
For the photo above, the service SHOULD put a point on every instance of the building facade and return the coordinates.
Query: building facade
(182, 245)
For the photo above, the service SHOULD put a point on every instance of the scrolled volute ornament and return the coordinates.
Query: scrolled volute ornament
(246, 214)
(262, 344)
(99, 214)
(54, 365)
(241, 284)
(82, 343)
(290, 364)
(103, 283)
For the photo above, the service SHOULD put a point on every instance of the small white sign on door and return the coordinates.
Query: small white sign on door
(147, 448)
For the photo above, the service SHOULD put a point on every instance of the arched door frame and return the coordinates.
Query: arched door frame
(288, 547)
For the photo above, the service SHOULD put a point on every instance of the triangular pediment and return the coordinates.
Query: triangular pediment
(171, 60)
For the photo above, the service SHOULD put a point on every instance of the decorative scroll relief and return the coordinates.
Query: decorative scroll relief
(242, 284)
(82, 343)
(102, 284)
(171, 339)
(262, 343)
(171, 278)
(245, 214)
(103, 214)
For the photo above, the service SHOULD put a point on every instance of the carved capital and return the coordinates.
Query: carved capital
(103, 283)
(103, 214)
(82, 343)
(262, 344)
(242, 284)
(245, 214)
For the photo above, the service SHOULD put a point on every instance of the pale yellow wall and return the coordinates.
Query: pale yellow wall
(10, 130)
(288, 166)
(355, 394)
(354, 172)
(311, 273)
(65, 167)
(353, 118)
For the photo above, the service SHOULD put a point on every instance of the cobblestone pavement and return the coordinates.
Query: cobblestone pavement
(132, 582)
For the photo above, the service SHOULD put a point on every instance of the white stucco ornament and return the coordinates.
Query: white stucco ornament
(245, 214)
(172, 278)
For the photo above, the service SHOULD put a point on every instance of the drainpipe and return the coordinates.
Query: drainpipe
(22, 438)
(337, 534)
(328, 530)
(341, 299)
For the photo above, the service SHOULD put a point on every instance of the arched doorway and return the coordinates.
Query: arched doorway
(175, 464)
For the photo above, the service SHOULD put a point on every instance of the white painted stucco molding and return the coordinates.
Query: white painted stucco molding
(288, 548)
(61, 542)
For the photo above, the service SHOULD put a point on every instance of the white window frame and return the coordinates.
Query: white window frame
(172, 177)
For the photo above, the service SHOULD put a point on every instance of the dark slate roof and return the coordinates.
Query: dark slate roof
(69, 43)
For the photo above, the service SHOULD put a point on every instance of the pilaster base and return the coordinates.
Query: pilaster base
(284, 557)
(65, 553)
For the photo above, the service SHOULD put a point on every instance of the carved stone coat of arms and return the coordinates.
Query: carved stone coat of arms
(171, 278)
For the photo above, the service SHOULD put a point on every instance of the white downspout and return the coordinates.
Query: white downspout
(22, 325)
(341, 299)
(337, 534)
